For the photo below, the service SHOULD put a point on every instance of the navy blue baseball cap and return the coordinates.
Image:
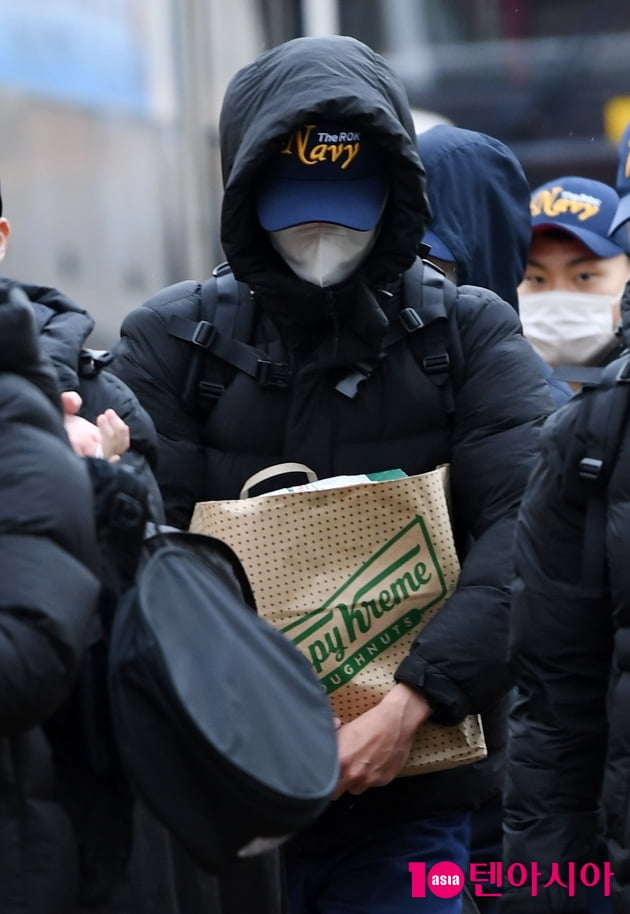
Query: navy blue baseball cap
(582, 207)
(324, 173)
(438, 248)
(623, 183)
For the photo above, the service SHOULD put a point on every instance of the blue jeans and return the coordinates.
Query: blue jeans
(371, 874)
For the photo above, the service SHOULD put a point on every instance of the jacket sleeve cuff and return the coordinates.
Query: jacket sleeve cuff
(449, 704)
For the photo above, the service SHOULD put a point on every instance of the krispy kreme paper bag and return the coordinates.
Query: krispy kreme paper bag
(351, 574)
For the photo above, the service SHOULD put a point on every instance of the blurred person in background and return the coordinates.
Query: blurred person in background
(102, 416)
(480, 228)
(479, 234)
(479, 197)
(49, 593)
(570, 296)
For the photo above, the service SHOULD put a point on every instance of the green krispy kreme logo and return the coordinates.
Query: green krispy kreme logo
(384, 600)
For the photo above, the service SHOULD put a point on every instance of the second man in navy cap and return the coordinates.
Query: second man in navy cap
(570, 296)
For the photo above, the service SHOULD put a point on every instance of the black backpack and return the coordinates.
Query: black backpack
(227, 314)
(603, 414)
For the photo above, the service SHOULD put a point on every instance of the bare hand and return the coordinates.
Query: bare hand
(374, 747)
(85, 438)
(108, 438)
(114, 435)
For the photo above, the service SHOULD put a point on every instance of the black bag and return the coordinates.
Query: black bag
(222, 728)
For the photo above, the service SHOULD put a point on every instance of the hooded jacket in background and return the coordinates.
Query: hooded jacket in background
(479, 197)
(398, 417)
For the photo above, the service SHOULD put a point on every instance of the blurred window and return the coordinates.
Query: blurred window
(445, 21)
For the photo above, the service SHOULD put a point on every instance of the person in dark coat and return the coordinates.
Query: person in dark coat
(479, 234)
(568, 750)
(49, 590)
(324, 257)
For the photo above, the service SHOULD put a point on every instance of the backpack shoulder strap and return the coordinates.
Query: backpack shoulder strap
(434, 294)
(601, 421)
(227, 316)
(427, 296)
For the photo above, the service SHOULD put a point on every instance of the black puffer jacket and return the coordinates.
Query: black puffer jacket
(397, 419)
(570, 650)
(63, 329)
(48, 596)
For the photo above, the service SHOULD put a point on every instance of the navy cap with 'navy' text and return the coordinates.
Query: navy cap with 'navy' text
(582, 207)
(324, 173)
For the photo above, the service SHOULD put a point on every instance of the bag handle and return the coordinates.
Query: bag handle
(278, 469)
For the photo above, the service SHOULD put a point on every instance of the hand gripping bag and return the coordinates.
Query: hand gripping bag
(222, 728)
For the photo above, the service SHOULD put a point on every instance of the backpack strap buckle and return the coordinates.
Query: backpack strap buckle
(272, 374)
(209, 392)
(410, 320)
(203, 334)
(436, 364)
(590, 469)
(91, 361)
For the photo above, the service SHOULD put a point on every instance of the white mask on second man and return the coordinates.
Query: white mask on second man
(322, 253)
(569, 328)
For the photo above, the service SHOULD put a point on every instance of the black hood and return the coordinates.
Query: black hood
(479, 197)
(338, 80)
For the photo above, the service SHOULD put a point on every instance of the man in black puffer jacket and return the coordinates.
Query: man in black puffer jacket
(569, 742)
(324, 257)
(49, 591)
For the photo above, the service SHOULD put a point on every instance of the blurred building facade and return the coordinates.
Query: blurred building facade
(110, 170)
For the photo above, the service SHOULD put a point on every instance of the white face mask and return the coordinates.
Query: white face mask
(568, 328)
(322, 253)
